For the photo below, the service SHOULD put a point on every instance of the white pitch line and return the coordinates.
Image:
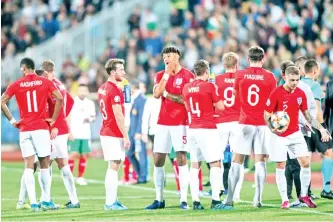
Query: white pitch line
(173, 192)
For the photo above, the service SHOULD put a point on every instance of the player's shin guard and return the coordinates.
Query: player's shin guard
(234, 174)
(111, 186)
(327, 171)
(29, 181)
(239, 184)
(46, 184)
(69, 183)
(194, 185)
(159, 175)
(281, 182)
(23, 191)
(184, 175)
(215, 181)
(260, 177)
(305, 176)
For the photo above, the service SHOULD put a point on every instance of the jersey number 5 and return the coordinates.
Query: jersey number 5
(34, 101)
(102, 105)
(195, 110)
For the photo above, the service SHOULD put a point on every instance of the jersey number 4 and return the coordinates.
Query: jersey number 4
(33, 103)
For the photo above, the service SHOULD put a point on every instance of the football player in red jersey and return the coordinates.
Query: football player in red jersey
(291, 99)
(32, 92)
(61, 133)
(253, 85)
(201, 99)
(113, 134)
(171, 124)
(227, 120)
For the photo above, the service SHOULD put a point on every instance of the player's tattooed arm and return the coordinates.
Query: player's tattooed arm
(267, 117)
(175, 98)
(325, 136)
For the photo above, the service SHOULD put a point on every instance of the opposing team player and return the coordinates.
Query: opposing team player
(82, 115)
(59, 143)
(172, 121)
(201, 99)
(291, 99)
(113, 134)
(253, 85)
(32, 92)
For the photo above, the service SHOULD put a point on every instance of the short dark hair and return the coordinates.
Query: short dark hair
(256, 54)
(310, 65)
(200, 67)
(40, 72)
(111, 64)
(292, 70)
(83, 85)
(28, 62)
(285, 65)
(171, 49)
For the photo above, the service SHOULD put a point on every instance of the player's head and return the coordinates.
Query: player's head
(135, 85)
(49, 67)
(284, 66)
(292, 77)
(115, 68)
(300, 62)
(256, 55)
(41, 72)
(170, 54)
(27, 65)
(230, 61)
(82, 91)
(312, 68)
(202, 69)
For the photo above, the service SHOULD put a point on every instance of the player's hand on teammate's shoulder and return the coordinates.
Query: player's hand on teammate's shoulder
(54, 133)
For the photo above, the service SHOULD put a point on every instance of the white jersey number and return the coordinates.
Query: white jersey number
(252, 95)
(102, 105)
(34, 101)
(229, 101)
(196, 110)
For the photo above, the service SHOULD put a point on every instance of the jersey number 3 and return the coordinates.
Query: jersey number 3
(102, 105)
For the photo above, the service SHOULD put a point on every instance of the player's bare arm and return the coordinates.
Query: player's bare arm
(219, 105)
(175, 98)
(59, 100)
(120, 119)
(320, 115)
(325, 136)
(4, 99)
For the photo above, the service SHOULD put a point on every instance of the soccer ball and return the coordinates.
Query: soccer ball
(279, 120)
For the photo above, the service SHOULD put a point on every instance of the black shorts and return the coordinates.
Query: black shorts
(315, 143)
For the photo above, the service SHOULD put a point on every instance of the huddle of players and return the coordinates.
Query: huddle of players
(236, 110)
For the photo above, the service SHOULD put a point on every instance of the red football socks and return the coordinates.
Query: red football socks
(82, 166)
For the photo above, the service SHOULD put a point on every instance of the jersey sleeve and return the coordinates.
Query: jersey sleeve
(116, 97)
(304, 104)
(51, 86)
(11, 89)
(158, 77)
(214, 92)
(317, 91)
(271, 102)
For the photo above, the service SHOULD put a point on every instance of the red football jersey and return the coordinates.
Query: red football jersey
(31, 92)
(171, 113)
(199, 97)
(290, 102)
(109, 94)
(61, 122)
(231, 112)
(253, 86)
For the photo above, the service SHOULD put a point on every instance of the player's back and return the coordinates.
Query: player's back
(254, 85)
(199, 99)
(31, 92)
(109, 94)
(231, 112)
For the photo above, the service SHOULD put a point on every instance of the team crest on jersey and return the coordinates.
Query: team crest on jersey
(179, 81)
(117, 99)
(299, 100)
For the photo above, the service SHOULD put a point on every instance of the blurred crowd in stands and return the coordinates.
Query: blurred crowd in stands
(200, 28)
